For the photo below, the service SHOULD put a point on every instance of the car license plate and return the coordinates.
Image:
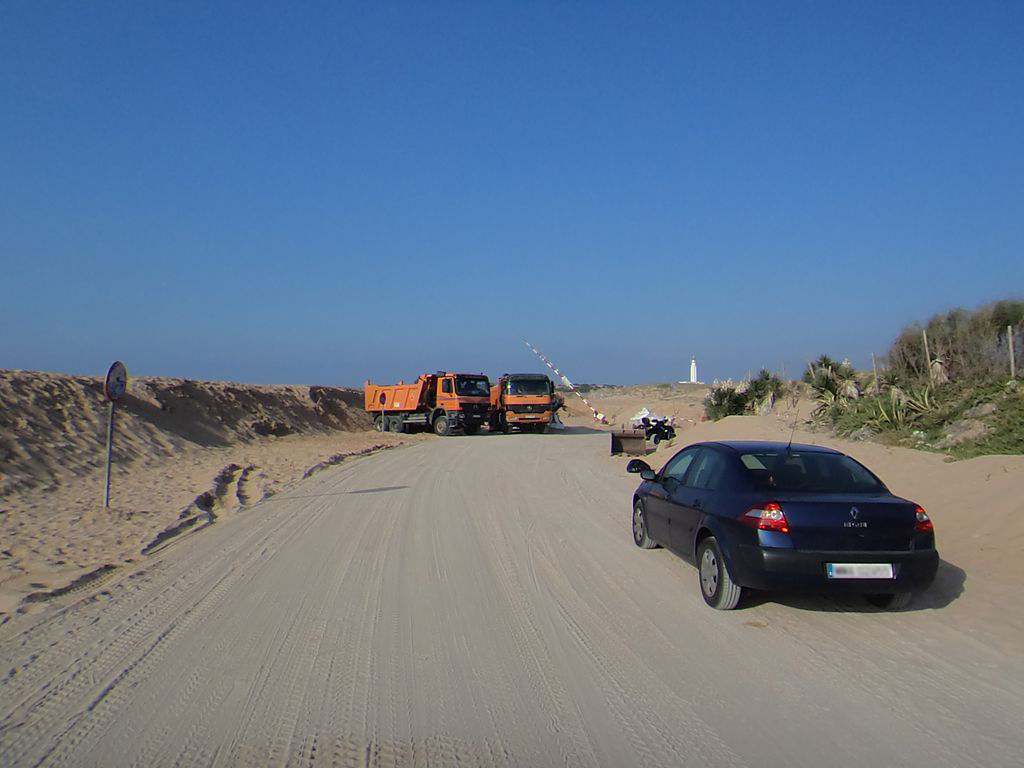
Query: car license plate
(859, 570)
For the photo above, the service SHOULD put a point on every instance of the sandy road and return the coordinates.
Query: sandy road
(479, 601)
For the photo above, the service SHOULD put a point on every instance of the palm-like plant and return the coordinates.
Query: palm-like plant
(763, 391)
(724, 401)
(835, 384)
(846, 381)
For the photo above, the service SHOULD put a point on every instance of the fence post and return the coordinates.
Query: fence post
(927, 354)
(1009, 340)
(874, 370)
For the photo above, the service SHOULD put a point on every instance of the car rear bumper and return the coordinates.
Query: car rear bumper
(786, 569)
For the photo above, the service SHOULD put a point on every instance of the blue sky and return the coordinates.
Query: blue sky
(325, 192)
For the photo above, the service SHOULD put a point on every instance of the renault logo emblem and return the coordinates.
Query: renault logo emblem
(854, 512)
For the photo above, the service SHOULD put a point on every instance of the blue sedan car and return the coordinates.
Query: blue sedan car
(783, 517)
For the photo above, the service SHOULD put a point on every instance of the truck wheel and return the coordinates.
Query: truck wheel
(396, 424)
(379, 424)
(442, 426)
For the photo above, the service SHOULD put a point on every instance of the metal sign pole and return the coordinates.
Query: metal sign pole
(110, 453)
(113, 389)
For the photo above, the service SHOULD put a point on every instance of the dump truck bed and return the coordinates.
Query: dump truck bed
(394, 398)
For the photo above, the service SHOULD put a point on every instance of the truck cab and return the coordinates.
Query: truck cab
(522, 400)
(464, 399)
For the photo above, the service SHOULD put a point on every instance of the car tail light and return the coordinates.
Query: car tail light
(766, 517)
(923, 524)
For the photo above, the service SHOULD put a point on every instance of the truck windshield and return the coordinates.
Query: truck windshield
(528, 387)
(472, 386)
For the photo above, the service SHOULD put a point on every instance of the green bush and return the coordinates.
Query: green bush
(756, 396)
(766, 385)
(835, 385)
(724, 401)
(922, 416)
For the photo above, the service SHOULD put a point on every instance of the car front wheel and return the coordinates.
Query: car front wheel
(716, 586)
(640, 537)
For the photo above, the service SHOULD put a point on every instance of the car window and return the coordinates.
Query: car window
(678, 464)
(709, 469)
(813, 472)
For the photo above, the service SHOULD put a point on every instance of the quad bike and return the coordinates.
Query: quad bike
(657, 430)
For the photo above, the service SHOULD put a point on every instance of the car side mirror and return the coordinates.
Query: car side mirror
(636, 466)
(647, 474)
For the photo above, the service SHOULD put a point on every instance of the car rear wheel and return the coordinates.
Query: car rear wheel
(716, 586)
(893, 602)
(640, 537)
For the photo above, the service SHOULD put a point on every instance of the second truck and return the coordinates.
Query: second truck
(523, 400)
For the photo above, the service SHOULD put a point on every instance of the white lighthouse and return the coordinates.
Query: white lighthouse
(693, 370)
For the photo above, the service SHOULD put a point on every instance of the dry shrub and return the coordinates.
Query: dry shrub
(971, 345)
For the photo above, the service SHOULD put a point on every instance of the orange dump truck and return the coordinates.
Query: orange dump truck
(444, 402)
(522, 400)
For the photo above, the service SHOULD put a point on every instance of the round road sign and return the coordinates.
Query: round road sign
(117, 381)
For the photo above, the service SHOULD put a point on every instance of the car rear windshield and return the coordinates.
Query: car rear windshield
(810, 472)
(472, 386)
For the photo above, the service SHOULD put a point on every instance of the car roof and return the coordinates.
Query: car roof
(755, 446)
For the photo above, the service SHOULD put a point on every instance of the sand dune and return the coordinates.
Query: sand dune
(53, 426)
(185, 452)
(685, 402)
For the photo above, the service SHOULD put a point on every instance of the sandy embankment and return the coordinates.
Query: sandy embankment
(684, 402)
(184, 451)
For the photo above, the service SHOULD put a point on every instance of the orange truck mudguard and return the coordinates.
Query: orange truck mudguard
(444, 402)
(522, 400)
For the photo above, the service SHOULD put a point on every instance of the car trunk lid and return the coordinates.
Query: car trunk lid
(829, 522)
